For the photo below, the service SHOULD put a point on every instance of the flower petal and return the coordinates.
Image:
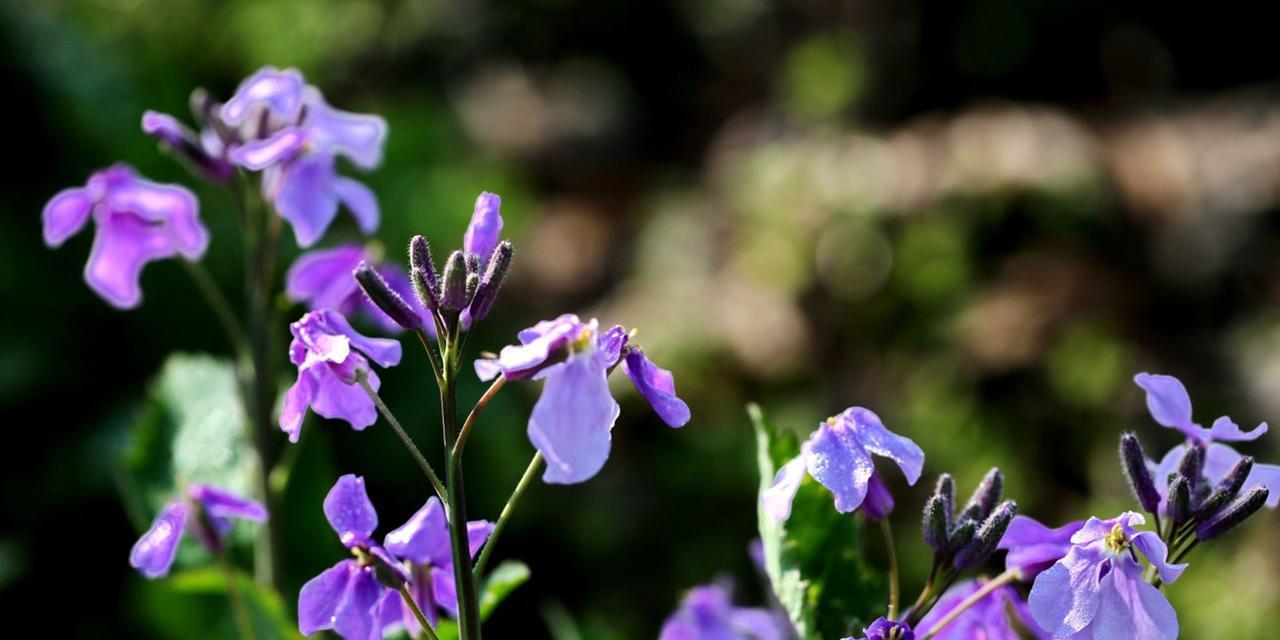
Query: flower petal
(173, 212)
(478, 532)
(837, 460)
(777, 499)
(424, 538)
(304, 196)
(1064, 598)
(278, 149)
(319, 598)
(658, 387)
(279, 91)
(610, 343)
(348, 509)
(154, 552)
(1033, 547)
(65, 215)
(877, 439)
(1155, 551)
(572, 420)
(360, 201)
(123, 245)
(384, 351)
(357, 136)
(444, 590)
(218, 503)
(356, 616)
(1131, 609)
(1226, 430)
(323, 278)
(338, 400)
(296, 401)
(485, 228)
(1168, 402)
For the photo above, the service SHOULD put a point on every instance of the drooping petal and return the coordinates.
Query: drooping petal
(424, 538)
(519, 362)
(349, 511)
(65, 215)
(877, 439)
(123, 245)
(280, 92)
(1155, 551)
(154, 552)
(1130, 609)
(384, 351)
(172, 211)
(296, 401)
(572, 421)
(1065, 597)
(323, 278)
(1226, 430)
(219, 503)
(777, 499)
(837, 461)
(1033, 547)
(658, 387)
(879, 502)
(444, 590)
(278, 149)
(360, 201)
(337, 399)
(318, 600)
(356, 615)
(610, 343)
(485, 229)
(1168, 402)
(478, 531)
(304, 196)
(357, 136)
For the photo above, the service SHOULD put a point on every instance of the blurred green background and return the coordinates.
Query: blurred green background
(976, 218)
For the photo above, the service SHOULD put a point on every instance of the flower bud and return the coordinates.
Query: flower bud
(423, 273)
(986, 496)
(1234, 514)
(453, 287)
(961, 534)
(1179, 504)
(984, 541)
(494, 275)
(383, 297)
(185, 147)
(878, 502)
(935, 522)
(1134, 461)
(1192, 465)
(1227, 489)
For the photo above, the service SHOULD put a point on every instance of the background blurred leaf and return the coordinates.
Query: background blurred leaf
(814, 558)
(501, 582)
(266, 610)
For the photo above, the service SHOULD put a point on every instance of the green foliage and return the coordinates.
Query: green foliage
(814, 558)
(267, 613)
(496, 587)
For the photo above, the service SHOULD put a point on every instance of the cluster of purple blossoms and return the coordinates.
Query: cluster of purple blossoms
(708, 613)
(205, 513)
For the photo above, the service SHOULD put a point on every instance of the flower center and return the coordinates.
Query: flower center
(582, 342)
(363, 557)
(1115, 541)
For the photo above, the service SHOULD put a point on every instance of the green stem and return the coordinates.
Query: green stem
(244, 624)
(475, 411)
(464, 577)
(534, 465)
(218, 303)
(887, 530)
(974, 598)
(362, 379)
(417, 613)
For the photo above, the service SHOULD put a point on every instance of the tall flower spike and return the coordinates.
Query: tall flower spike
(1138, 473)
(137, 221)
(838, 455)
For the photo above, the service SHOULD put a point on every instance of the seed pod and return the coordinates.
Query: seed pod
(1136, 471)
(386, 299)
(1234, 514)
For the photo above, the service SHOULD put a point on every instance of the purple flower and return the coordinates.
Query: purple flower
(485, 229)
(572, 420)
(707, 613)
(206, 513)
(322, 279)
(1097, 591)
(205, 152)
(838, 455)
(1034, 547)
(329, 355)
(423, 545)
(137, 221)
(346, 596)
(1170, 405)
(884, 629)
(987, 619)
(290, 133)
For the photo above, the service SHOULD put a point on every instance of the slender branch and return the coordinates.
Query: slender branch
(534, 465)
(417, 612)
(973, 599)
(218, 303)
(887, 530)
(475, 411)
(244, 624)
(362, 379)
(463, 576)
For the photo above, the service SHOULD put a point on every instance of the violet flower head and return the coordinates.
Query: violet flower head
(1170, 405)
(572, 420)
(988, 619)
(885, 629)
(422, 544)
(330, 355)
(1033, 547)
(204, 153)
(206, 514)
(346, 597)
(322, 280)
(286, 130)
(1097, 590)
(838, 455)
(137, 221)
(707, 613)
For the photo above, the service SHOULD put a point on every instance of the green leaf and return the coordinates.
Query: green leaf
(266, 611)
(496, 587)
(814, 558)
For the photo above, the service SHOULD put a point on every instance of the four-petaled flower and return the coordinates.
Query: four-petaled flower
(322, 279)
(988, 618)
(137, 221)
(572, 420)
(1033, 547)
(206, 514)
(838, 455)
(1097, 591)
(289, 132)
(330, 355)
(346, 596)
(885, 629)
(422, 544)
(1170, 405)
(707, 613)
